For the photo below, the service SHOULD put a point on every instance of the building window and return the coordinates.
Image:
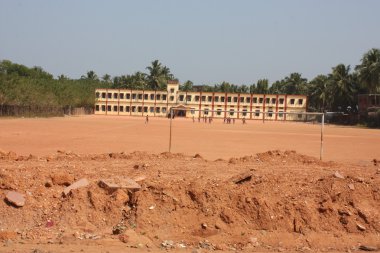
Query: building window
(127, 109)
(172, 90)
(181, 97)
(140, 96)
(196, 98)
(254, 100)
(273, 100)
(109, 95)
(219, 112)
(203, 98)
(133, 108)
(157, 109)
(300, 101)
(158, 96)
(145, 108)
(209, 98)
(121, 95)
(188, 98)
(244, 112)
(115, 108)
(97, 108)
(222, 99)
(151, 96)
(216, 99)
(127, 96)
(270, 113)
(133, 96)
(97, 94)
(261, 100)
(109, 108)
(192, 111)
(115, 95)
(281, 101)
(267, 100)
(232, 112)
(171, 98)
(121, 108)
(229, 99)
(206, 111)
(145, 96)
(139, 109)
(257, 113)
(163, 109)
(103, 108)
(280, 114)
(151, 109)
(235, 99)
(292, 101)
(163, 97)
(248, 100)
(103, 95)
(241, 99)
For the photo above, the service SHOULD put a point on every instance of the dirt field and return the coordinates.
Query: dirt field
(251, 200)
(105, 134)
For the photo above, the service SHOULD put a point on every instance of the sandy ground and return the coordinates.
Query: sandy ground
(104, 134)
(251, 200)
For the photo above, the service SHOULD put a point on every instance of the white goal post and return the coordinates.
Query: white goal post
(296, 116)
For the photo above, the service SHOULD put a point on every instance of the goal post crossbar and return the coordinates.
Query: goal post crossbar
(173, 109)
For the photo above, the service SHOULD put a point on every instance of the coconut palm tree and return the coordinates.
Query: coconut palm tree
(295, 84)
(158, 75)
(342, 87)
(319, 93)
(187, 86)
(369, 70)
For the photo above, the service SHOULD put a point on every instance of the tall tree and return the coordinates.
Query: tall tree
(295, 84)
(90, 75)
(187, 86)
(158, 75)
(369, 70)
(342, 87)
(319, 93)
(262, 86)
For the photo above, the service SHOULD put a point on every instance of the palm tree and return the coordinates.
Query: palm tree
(342, 87)
(319, 93)
(369, 70)
(158, 75)
(106, 78)
(187, 86)
(90, 75)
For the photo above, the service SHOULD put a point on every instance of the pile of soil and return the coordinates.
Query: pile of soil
(273, 201)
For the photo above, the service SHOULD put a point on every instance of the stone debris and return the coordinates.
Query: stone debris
(338, 175)
(123, 183)
(167, 244)
(124, 238)
(119, 229)
(139, 179)
(241, 178)
(15, 198)
(78, 184)
(360, 227)
(368, 248)
(351, 187)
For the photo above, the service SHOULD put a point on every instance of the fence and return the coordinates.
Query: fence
(42, 111)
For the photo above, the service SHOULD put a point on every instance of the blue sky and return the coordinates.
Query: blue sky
(206, 41)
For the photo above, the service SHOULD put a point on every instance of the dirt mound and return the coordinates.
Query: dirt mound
(277, 200)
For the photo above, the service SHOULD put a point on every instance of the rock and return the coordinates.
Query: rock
(338, 175)
(241, 178)
(62, 179)
(76, 185)
(139, 179)
(167, 244)
(198, 156)
(15, 198)
(48, 183)
(124, 238)
(119, 229)
(360, 227)
(368, 248)
(351, 187)
(120, 183)
(204, 225)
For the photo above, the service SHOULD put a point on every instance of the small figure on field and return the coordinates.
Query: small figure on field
(243, 121)
(146, 119)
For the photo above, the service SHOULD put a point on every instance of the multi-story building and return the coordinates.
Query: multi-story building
(198, 104)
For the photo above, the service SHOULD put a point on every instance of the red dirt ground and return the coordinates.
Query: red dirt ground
(105, 134)
(290, 202)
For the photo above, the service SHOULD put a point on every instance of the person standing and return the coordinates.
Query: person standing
(146, 119)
